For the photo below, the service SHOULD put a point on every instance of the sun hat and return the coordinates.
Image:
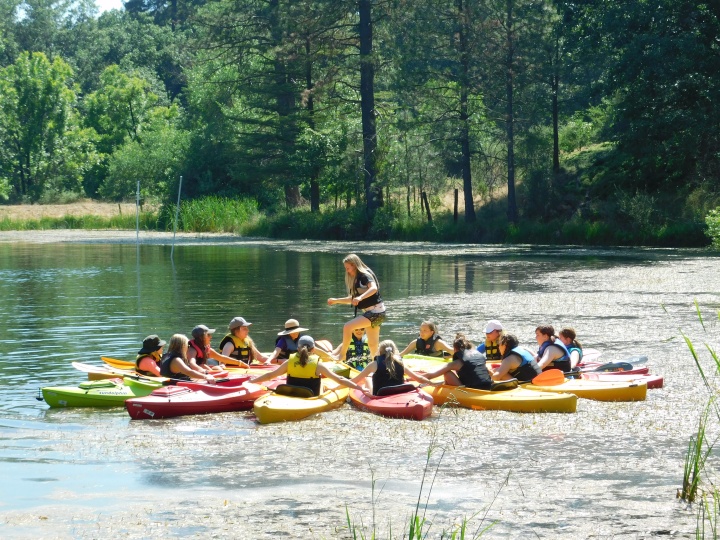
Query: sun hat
(200, 330)
(237, 322)
(306, 341)
(151, 344)
(492, 326)
(292, 326)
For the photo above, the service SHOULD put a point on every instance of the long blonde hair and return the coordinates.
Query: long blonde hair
(361, 267)
(388, 349)
(177, 346)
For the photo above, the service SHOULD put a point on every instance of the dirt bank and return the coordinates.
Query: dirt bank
(79, 208)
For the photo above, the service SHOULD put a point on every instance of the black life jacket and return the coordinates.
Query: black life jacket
(382, 377)
(473, 373)
(427, 348)
(165, 362)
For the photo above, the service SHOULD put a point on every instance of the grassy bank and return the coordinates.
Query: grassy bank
(242, 217)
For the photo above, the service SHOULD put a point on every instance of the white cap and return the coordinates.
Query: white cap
(492, 326)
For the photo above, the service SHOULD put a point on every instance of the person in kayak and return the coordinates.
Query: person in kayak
(429, 343)
(517, 362)
(174, 363)
(552, 353)
(148, 358)
(387, 369)
(304, 369)
(358, 353)
(567, 336)
(202, 357)
(467, 367)
(287, 342)
(363, 293)
(489, 347)
(238, 345)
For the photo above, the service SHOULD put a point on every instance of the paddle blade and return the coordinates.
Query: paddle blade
(551, 377)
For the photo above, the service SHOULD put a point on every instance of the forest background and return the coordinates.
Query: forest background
(544, 121)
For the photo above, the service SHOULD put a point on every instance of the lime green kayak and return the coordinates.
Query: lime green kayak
(102, 393)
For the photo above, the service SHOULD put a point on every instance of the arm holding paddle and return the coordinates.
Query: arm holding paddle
(178, 366)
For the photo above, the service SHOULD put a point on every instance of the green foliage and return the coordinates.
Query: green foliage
(43, 145)
(215, 214)
(712, 220)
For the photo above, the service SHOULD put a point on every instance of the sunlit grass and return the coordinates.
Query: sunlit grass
(147, 221)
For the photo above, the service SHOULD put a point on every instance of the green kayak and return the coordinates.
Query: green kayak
(102, 393)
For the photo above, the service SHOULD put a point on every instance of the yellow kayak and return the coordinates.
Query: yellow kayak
(596, 390)
(513, 400)
(280, 408)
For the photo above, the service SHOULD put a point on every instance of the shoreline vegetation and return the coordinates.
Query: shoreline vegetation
(243, 217)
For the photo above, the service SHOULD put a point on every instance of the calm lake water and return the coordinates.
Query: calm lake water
(610, 470)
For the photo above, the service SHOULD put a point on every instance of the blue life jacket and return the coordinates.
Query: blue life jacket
(557, 343)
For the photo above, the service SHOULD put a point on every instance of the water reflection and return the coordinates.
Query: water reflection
(613, 464)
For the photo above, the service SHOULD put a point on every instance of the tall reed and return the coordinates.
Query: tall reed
(418, 526)
(218, 214)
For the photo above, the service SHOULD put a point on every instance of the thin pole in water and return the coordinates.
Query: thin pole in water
(177, 212)
(137, 215)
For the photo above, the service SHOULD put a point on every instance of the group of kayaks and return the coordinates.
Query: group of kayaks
(116, 384)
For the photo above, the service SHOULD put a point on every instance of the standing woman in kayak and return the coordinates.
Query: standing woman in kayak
(174, 363)
(467, 367)
(567, 336)
(304, 369)
(387, 369)
(363, 293)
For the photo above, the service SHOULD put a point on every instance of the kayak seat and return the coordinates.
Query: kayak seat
(615, 366)
(294, 391)
(167, 391)
(396, 389)
(499, 386)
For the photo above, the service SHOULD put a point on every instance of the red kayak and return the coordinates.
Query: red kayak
(194, 398)
(605, 370)
(412, 405)
(653, 381)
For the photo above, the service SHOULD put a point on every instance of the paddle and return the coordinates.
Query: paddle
(551, 377)
(87, 368)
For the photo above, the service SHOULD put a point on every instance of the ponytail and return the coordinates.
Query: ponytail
(303, 356)
(392, 355)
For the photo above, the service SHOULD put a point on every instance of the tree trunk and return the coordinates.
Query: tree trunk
(373, 195)
(427, 206)
(465, 117)
(512, 212)
(555, 108)
(315, 172)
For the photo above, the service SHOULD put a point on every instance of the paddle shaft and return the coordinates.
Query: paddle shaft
(95, 369)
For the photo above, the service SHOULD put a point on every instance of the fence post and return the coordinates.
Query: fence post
(177, 212)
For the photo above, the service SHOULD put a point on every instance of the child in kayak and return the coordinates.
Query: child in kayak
(304, 369)
(148, 358)
(358, 353)
(489, 347)
(428, 343)
(567, 336)
(467, 367)
(202, 357)
(517, 362)
(286, 343)
(238, 345)
(174, 362)
(552, 353)
(387, 369)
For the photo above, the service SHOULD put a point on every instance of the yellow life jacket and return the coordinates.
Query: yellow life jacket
(242, 350)
(298, 371)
